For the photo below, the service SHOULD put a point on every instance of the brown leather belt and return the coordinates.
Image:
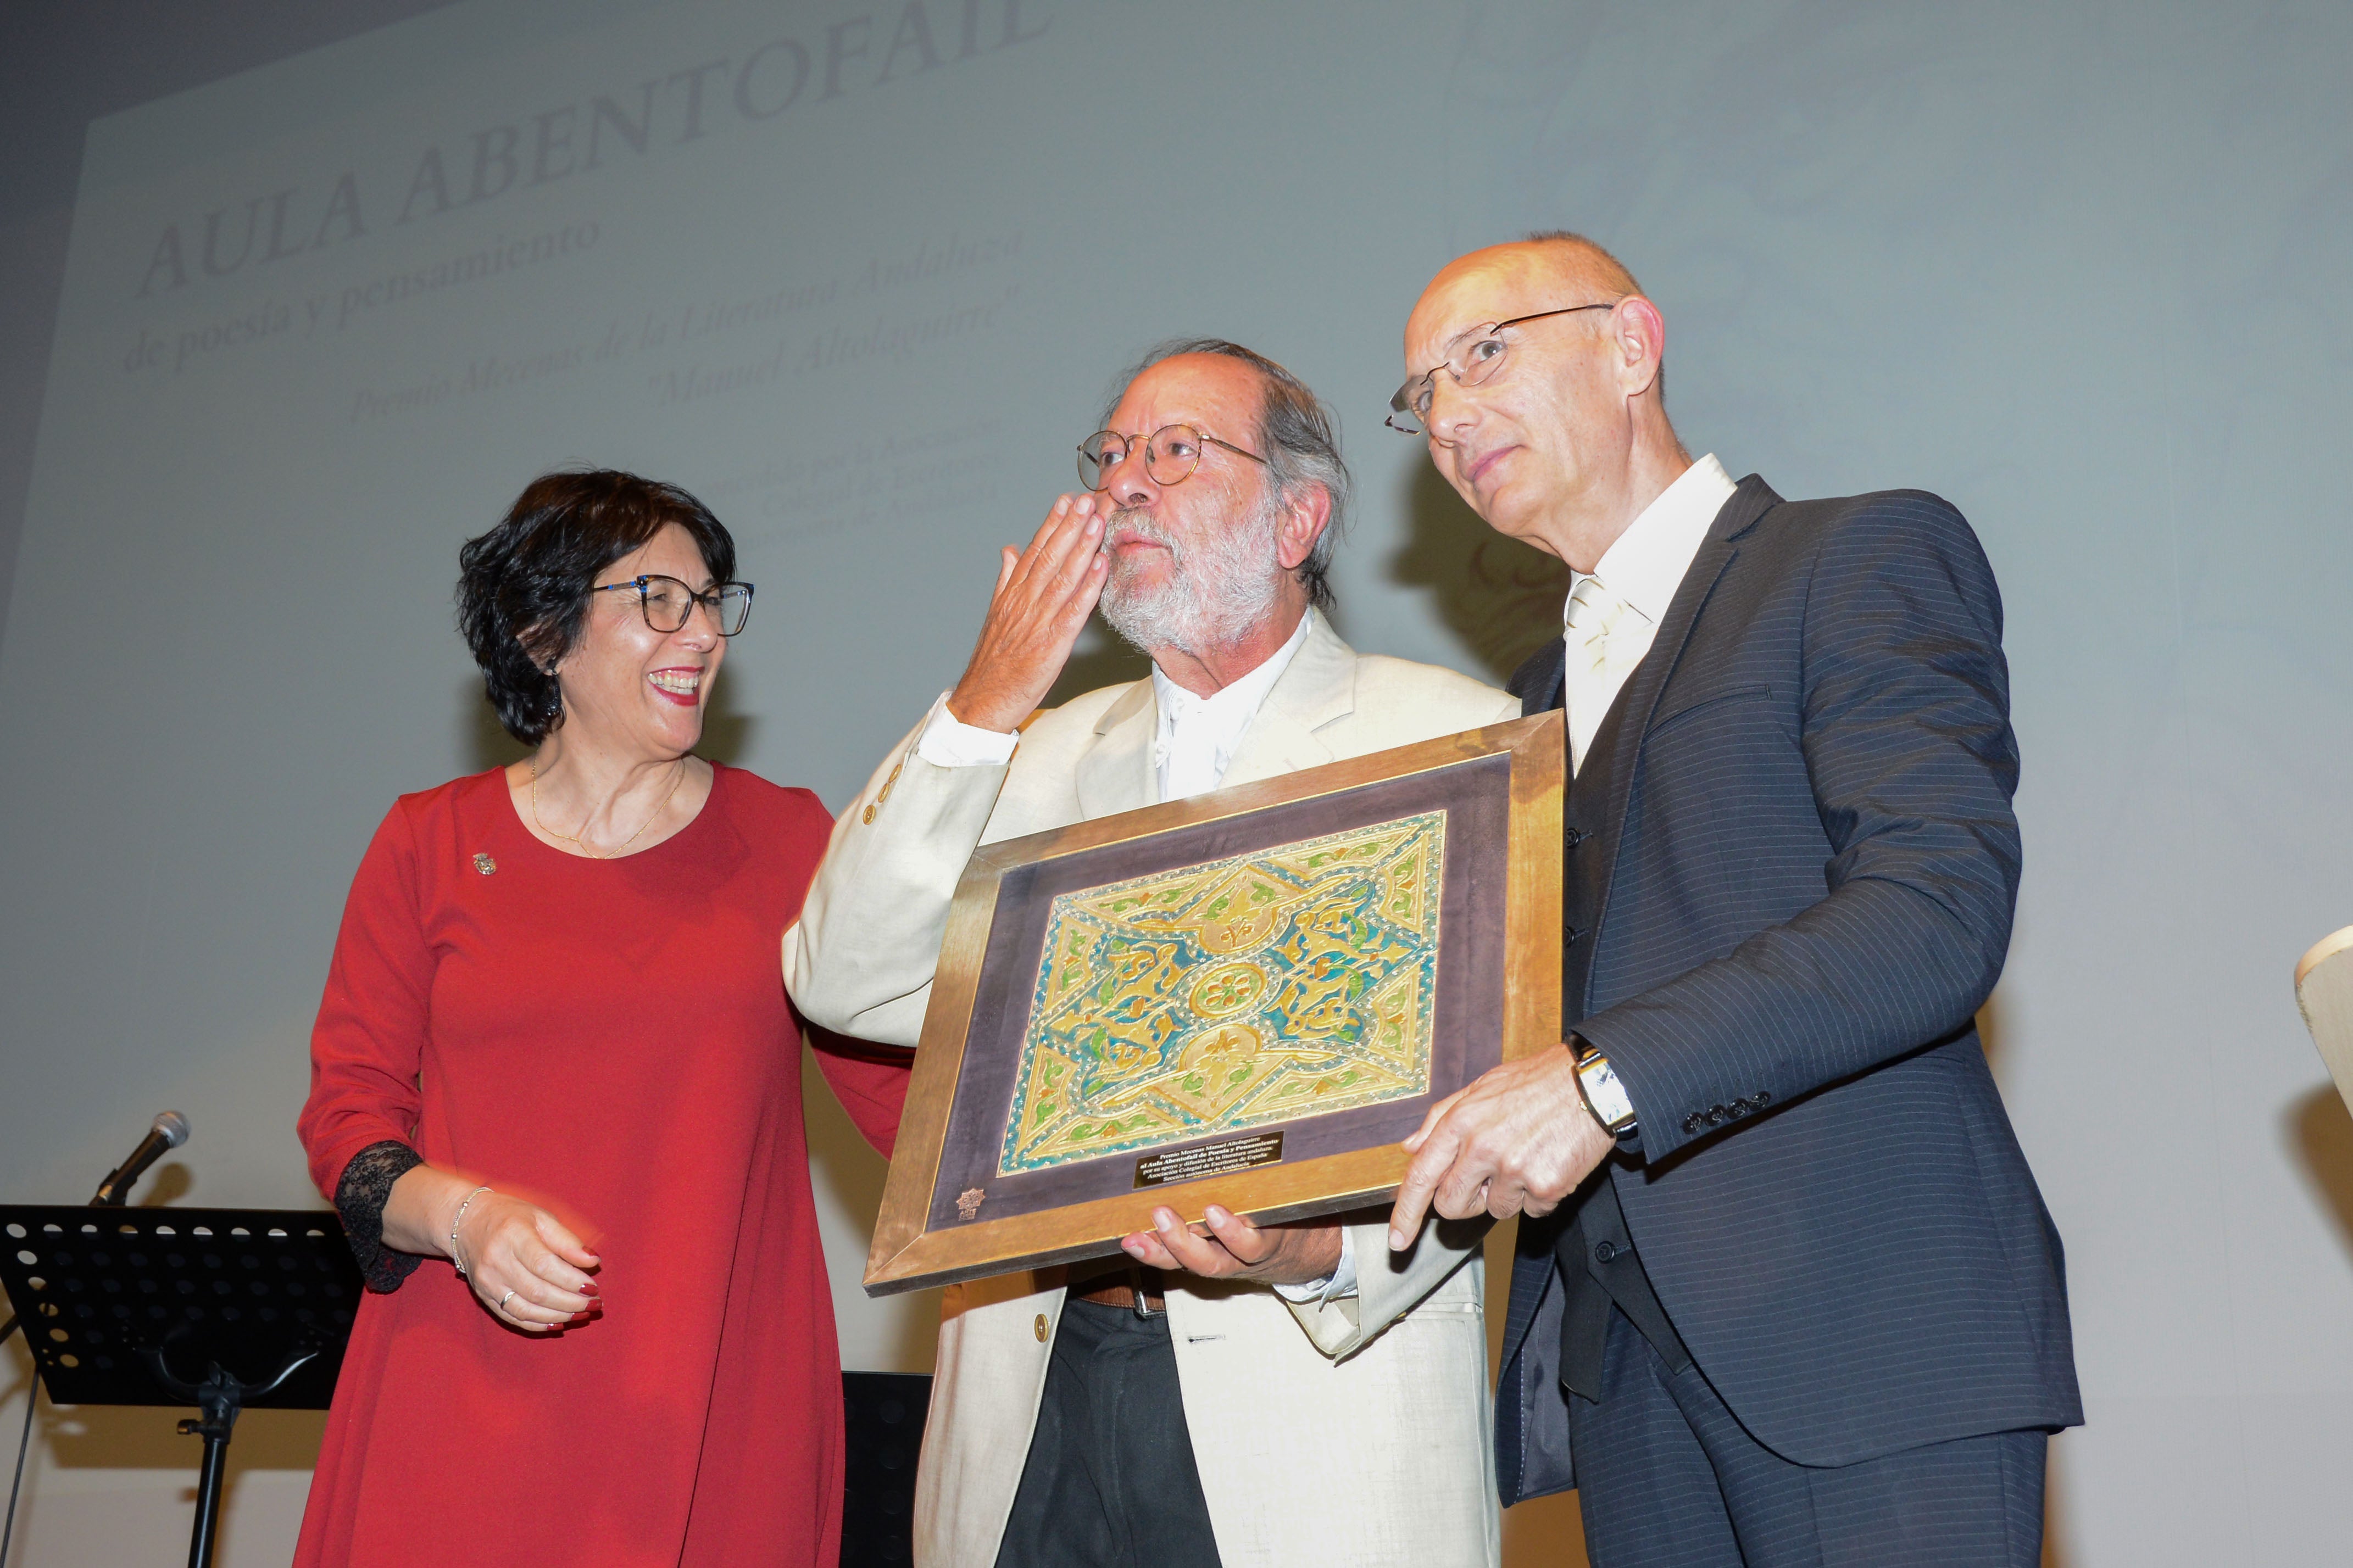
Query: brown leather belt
(1142, 1290)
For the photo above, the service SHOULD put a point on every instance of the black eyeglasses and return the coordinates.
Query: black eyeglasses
(666, 602)
(1170, 455)
(1478, 359)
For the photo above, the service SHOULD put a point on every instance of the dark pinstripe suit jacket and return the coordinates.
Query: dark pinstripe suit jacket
(1791, 869)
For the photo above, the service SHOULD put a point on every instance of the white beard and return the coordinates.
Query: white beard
(1215, 590)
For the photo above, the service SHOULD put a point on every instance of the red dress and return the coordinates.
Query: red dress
(609, 1039)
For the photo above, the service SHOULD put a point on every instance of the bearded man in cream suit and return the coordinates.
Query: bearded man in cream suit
(1233, 1394)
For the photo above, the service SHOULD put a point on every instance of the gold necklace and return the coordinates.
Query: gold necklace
(676, 779)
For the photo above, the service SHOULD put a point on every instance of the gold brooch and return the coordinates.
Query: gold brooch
(484, 864)
(968, 1202)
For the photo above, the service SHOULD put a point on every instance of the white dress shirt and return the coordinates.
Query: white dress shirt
(1199, 735)
(1636, 580)
(1196, 743)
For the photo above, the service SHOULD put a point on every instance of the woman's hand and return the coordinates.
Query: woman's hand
(524, 1264)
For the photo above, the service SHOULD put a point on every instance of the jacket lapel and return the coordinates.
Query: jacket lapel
(1317, 687)
(1617, 747)
(1115, 774)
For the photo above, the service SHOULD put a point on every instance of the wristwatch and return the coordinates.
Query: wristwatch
(1604, 1095)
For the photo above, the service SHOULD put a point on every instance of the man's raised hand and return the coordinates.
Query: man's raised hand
(1043, 597)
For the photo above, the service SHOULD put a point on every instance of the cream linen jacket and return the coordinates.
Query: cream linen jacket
(1352, 1432)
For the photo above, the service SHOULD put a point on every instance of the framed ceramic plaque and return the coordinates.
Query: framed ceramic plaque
(1246, 998)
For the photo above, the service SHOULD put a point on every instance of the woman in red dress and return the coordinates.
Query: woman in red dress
(556, 1095)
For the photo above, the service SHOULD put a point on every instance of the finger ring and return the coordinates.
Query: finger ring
(504, 1300)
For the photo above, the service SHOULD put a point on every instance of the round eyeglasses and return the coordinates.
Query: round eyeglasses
(666, 602)
(1481, 358)
(1170, 455)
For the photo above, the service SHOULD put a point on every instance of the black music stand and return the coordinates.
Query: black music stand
(222, 1309)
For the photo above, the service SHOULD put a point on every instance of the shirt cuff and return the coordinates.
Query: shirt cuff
(1341, 1282)
(952, 744)
(947, 741)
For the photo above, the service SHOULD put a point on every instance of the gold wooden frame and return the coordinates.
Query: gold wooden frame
(909, 1254)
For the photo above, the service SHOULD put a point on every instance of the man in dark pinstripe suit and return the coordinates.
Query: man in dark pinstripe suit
(1786, 1291)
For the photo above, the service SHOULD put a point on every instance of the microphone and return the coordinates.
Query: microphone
(170, 1131)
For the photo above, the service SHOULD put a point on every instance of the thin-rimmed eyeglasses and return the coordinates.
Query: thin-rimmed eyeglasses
(1170, 455)
(1479, 359)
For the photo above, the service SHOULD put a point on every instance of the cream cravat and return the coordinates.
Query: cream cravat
(1596, 663)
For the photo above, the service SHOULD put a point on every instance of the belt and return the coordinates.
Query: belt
(1142, 1290)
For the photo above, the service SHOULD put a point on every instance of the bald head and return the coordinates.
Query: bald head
(1556, 432)
(1555, 258)
(1543, 271)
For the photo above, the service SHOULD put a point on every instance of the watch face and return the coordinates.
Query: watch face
(1604, 1094)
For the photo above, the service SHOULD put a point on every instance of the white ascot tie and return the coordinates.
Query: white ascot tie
(1598, 658)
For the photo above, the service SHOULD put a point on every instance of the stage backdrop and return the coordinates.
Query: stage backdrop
(857, 273)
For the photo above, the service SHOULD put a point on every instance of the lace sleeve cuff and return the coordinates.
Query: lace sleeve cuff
(360, 1197)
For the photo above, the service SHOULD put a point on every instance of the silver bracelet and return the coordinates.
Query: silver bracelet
(454, 1220)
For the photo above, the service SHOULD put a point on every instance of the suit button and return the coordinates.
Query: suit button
(1571, 838)
(1604, 1251)
(1761, 1100)
(1694, 1122)
(1715, 1116)
(1043, 1328)
(1571, 940)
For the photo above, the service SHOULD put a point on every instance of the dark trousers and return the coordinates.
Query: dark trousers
(1668, 1478)
(1110, 1481)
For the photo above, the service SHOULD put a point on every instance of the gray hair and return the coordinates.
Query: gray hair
(1298, 436)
